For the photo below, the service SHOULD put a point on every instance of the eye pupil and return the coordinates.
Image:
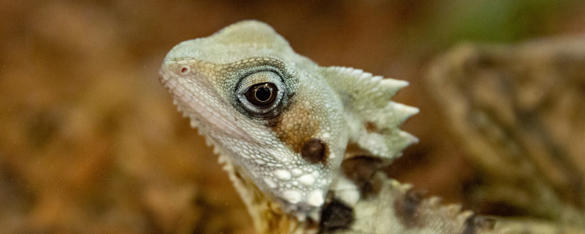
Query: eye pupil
(262, 94)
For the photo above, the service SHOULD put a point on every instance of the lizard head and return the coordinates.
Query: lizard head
(266, 109)
(278, 119)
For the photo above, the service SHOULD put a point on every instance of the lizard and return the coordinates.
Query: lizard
(300, 142)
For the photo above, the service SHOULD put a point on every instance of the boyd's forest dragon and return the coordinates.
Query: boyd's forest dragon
(302, 143)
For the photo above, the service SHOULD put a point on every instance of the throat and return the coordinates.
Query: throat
(267, 214)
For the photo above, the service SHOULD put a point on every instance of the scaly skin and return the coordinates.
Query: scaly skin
(287, 131)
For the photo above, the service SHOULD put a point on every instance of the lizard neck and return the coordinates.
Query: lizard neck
(267, 215)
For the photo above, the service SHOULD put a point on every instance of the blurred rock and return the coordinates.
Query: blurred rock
(519, 112)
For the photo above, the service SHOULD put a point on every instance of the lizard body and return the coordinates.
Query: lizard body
(302, 143)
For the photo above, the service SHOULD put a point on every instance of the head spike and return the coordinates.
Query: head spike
(373, 118)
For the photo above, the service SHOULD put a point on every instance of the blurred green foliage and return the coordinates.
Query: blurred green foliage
(492, 20)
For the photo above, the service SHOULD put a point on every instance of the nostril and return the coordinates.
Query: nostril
(184, 70)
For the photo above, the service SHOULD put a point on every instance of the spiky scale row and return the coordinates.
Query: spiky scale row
(374, 119)
(372, 90)
(397, 209)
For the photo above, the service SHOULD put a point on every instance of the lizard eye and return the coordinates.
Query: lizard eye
(261, 94)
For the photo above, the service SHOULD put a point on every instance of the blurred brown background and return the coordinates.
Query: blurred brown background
(91, 143)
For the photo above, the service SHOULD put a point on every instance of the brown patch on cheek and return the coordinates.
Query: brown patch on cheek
(295, 127)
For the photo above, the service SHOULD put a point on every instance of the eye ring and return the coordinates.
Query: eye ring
(262, 94)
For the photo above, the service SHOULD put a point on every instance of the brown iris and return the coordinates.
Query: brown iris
(262, 94)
